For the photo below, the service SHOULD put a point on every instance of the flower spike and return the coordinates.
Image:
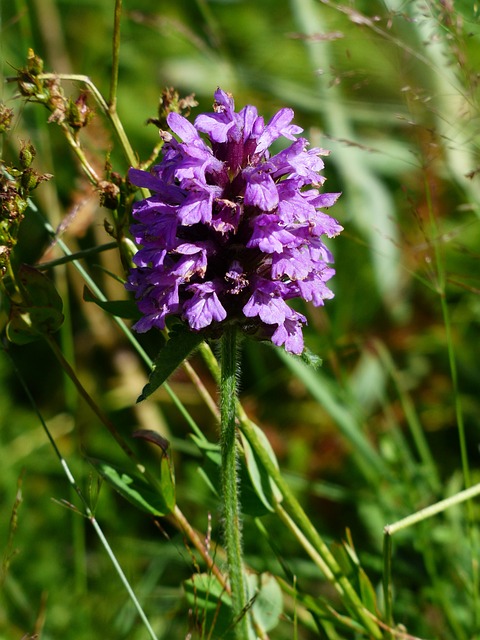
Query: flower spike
(232, 232)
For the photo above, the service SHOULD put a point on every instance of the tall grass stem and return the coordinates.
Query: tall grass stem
(471, 526)
(230, 490)
(112, 102)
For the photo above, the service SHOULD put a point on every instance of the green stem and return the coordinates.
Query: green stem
(112, 102)
(387, 580)
(232, 519)
(432, 510)
(471, 524)
(331, 569)
(79, 152)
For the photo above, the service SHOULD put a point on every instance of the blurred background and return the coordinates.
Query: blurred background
(391, 89)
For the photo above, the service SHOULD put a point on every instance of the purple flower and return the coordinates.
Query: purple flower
(204, 306)
(232, 232)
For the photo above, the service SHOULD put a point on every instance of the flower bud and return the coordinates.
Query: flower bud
(109, 194)
(34, 63)
(27, 154)
(78, 113)
(29, 180)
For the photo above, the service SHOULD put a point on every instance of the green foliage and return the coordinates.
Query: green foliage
(179, 346)
(211, 605)
(262, 483)
(120, 308)
(155, 501)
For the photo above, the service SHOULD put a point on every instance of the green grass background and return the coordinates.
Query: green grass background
(391, 88)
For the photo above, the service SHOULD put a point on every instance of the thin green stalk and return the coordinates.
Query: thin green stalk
(471, 526)
(448, 331)
(71, 402)
(432, 510)
(88, 512)
(91, 403)
(309, 548)
(202, 390)
(122, 577)
(84, 253)
(456, 393)
(78, 150)
(230, 494)
(411, 417)
(112, 102)
(387, 580)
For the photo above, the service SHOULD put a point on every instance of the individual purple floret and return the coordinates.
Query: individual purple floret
(231, 233)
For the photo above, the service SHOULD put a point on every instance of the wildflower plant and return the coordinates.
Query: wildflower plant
(229, 234)
(220, 237)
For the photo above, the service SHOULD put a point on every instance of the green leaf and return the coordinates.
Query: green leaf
(181, 343)
(211, 605)
(311, 359)
(254, 480)
(38, 289)
(268, 603)
(40, 310)
(29, 324)
(210, 468)
(119, 308)
(263, 485)
(135, 489)
(350, 565)
(167, 474)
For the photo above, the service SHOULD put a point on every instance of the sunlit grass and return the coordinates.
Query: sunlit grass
(389, 425)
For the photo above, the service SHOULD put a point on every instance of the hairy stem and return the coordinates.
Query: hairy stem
(232, 520)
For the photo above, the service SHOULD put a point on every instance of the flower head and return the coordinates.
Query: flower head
(231, 232)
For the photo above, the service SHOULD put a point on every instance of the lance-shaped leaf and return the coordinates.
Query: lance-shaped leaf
(134, 488)
(120, 308)
(211, 604)
(181, 343)
(263, 485)
(350, 564)
(167, 474)
(258, 492)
